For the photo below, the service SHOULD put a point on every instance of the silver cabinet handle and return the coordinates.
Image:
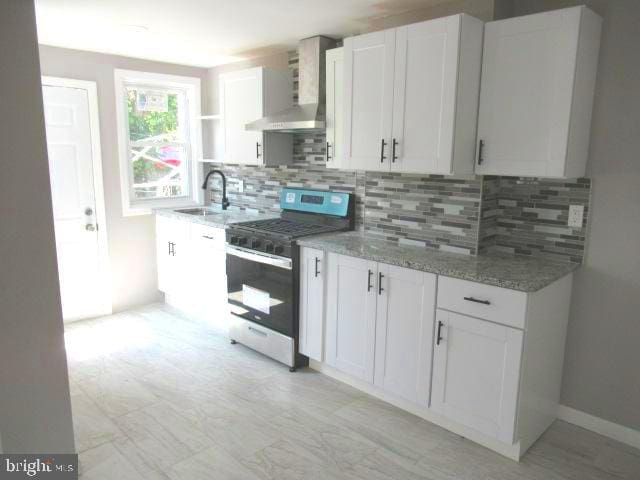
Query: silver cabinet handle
(257, 332)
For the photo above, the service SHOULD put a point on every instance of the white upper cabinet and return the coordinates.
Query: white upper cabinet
(411, 97)
(538, 79)
(335, 108)
(368, 99)
(248, 95)
(435, 100)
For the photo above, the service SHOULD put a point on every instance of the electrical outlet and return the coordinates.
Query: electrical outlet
(240, 186)
(576, 213)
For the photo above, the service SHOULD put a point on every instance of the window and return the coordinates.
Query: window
(158, 139)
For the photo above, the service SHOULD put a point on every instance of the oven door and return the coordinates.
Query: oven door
(260, 288)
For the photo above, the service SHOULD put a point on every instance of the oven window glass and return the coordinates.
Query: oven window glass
(261, 293)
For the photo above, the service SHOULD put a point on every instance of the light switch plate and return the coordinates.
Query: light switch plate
(576, 213)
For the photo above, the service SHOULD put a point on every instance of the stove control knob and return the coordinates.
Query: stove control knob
(242, 241)
(268, 247)
(255, 242)
(278, 250)
(233, 240)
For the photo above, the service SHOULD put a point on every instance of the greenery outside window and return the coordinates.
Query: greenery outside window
(158, 140)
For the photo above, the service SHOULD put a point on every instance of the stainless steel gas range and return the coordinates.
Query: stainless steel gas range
(262, 269)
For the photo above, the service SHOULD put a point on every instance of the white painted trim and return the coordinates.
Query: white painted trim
(106, 307)
(194, 99)
(512, 452)
(599, 425)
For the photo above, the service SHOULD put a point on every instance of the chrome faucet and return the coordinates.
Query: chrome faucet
(225, 200)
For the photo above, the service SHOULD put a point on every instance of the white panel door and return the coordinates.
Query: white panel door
(424, 100)
(368, 99)
(312, 277)
(335, 109)
(241, 102)
(528, 71)
(351, 315)
(476, 371)
(84, 284)
(404, 332)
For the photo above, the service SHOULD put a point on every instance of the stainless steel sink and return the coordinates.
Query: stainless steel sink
(200, 211)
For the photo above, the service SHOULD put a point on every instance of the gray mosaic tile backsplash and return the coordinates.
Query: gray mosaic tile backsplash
(459, 215)
(529, 217)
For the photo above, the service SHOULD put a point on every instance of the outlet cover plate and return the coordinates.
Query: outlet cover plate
(576, 214)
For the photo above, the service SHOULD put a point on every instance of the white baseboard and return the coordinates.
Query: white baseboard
(599, 425)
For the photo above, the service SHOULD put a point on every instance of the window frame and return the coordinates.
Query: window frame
(192, 88)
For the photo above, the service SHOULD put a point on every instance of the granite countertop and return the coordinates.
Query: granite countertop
(521, 273)
(220, 218)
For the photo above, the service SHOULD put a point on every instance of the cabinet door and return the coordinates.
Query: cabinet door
(368, 99)
(404, 332)
(172, 253)
(312, 276)
(207, 274)
(351, 315)
(528, 71)
(476, 370)
(424, 100)
(335, 108)
(241, 102)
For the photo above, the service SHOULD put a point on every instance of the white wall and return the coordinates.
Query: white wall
(35, 410)
(131, 239)
(602, 362)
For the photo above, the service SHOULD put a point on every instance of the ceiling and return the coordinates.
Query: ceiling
(204, 33)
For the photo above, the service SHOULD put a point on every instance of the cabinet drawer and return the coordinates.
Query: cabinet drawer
(215, 235)
(496, 304)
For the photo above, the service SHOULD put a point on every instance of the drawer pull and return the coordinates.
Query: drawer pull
(317, 272)
(439, 335)
(380, 289)
(257, 332)
(369, 281)
(208, 237)
(475, 300)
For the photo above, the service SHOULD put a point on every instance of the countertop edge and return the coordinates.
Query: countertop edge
(528, 286)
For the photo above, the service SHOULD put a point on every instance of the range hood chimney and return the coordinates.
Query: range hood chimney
(309, 114)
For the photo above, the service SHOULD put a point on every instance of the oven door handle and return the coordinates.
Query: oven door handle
(273, 260)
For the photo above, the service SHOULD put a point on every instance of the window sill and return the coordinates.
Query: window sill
(148, 208)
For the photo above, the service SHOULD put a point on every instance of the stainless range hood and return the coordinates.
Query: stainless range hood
(309, 114)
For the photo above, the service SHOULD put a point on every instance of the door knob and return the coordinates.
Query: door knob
(88, 211)
(90, 227)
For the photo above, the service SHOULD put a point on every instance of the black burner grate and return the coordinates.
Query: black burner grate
(286, 227)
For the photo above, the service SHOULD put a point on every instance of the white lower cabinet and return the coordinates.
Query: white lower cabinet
(404, 332)
(380, 325)
(480, 360)
(311, 324)
(476, 372)
(351, 315)
(171, 253)
(192, 267)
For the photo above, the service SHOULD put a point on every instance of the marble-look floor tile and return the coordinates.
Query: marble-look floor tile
(287, 461)
(149, 443)
(106, 463)
(91, 426)
(116, 392)
(211, 464)
(333, 443)
(171, 398)
(396, 430)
